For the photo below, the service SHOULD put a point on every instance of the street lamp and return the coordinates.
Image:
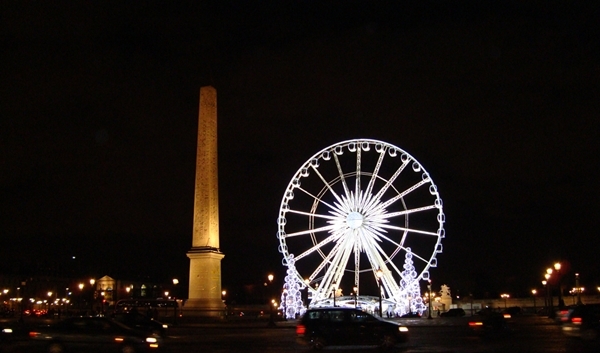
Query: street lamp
(505, 297)
(578, 289)
(92, 282)
(49, 300)
(545, 294)
(533, 293)
(175, 283)
(333, 292)
(379, 276)
(561, 302)
(271, 319)
(285, 294)
(429, 288)
(547, 276)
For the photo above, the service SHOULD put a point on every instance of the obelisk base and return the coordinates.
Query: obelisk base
(205, 283)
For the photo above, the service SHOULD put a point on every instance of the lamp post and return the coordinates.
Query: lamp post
(505, 297)
(333, 292)
(550, 301)
(578, 289)
(49, 301)
(271, 319)
(429, 289)
(355, 296)
(533, 293)
(175, 283)
(379, 277)
(306, 283)
(285, 294)
(544, 282)
(561, 302)
(92, 282)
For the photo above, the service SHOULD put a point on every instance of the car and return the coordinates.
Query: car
(141, 322)
(491, 324)
(455, 312)
(411, 315)
(92, 334)
(583, 321)
(320, 327)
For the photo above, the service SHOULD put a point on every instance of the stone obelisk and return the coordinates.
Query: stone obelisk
(205, 255)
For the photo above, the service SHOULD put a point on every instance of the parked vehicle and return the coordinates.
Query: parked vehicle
(583, 321)
(347, 326)
(141, 322)
(456, 312)
(92, 334)
(489, 325)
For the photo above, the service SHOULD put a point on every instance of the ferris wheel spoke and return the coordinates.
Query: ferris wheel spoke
(318, 199)
(386, 204)
(380, 235)
(358, 165)
(311, 231)
(415, 255)
(341, 260)
(411, 230)
(325, 262)
(314, 214)
(341, 173)
(382, 263)
(334, 275)
(405, 212)
(316, 247)
(356, 264)
(337, 197)
(369, 188)
(391, 180)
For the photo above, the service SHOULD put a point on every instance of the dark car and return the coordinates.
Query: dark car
(141, 322)
(347, 326)
(491, 324)
(92, 334)
(456, 312)
(583, 321)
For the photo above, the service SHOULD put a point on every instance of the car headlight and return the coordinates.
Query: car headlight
(165, 326)
(403, 329)
(151, 339)
(7, 330)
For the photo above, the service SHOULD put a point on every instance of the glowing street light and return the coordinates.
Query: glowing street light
(557, 267)
(270, 278)
(505, 297)
(579, 289)
(545, 293)
(533, 293)
(549, 291)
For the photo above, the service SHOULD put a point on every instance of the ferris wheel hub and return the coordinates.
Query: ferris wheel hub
(354, 220)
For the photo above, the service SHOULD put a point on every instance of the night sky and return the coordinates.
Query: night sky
(499, 100)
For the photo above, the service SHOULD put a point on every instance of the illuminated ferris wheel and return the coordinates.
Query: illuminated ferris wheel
(351, 217)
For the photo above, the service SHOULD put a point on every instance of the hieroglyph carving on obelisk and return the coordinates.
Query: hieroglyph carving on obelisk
(205, 255)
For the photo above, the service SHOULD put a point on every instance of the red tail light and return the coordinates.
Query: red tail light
(300, 329)
(475, 323)
(576, 320)
(33, 334)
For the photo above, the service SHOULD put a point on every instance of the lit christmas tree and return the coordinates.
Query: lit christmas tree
(410, 289)
(291, 296)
